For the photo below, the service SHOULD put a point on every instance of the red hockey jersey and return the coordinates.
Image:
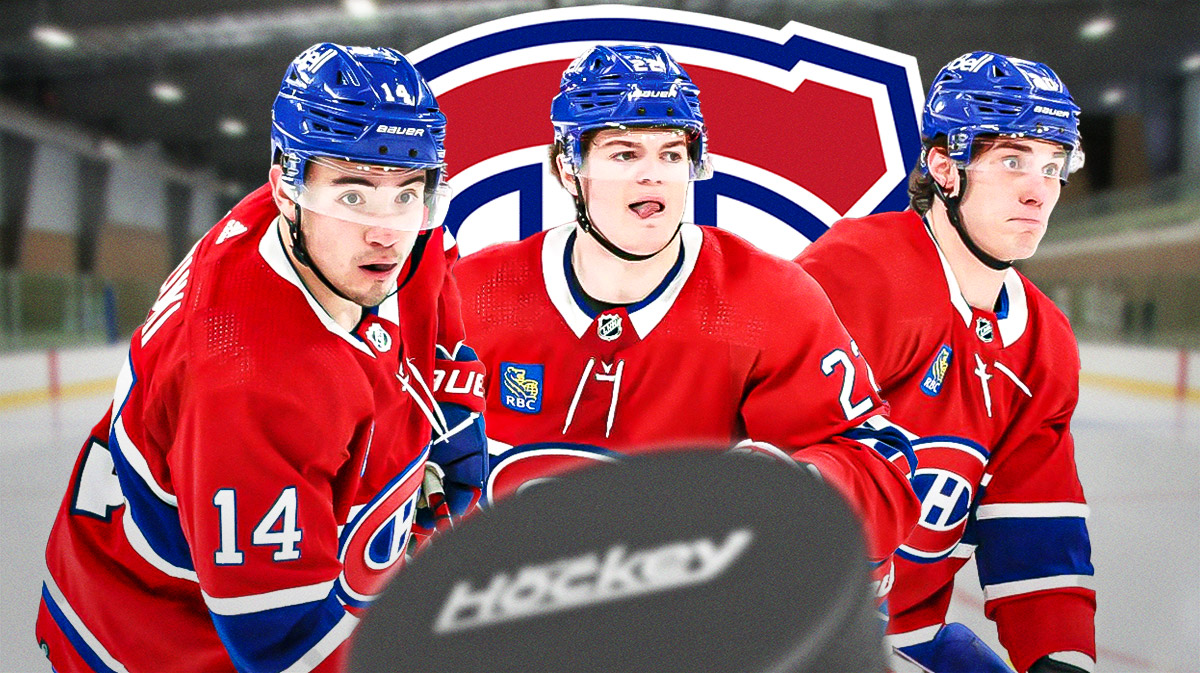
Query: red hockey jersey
(253, 483)
(734, 344)
(991, 394)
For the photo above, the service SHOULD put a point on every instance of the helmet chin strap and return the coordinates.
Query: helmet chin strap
(585, 223)
(954, 212)
(300, 251)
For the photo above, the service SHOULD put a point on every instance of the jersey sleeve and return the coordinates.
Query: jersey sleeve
(1034, 553)
(811, 393)
(254, 467)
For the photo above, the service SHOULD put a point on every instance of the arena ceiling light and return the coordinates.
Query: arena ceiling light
(233, 128)
(53, 37)
(1112, 96)
(360, 9)
(1191, 63)
(167, 92)
(1097, 28)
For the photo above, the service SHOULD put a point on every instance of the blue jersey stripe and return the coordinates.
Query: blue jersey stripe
(68, 629)
(266, 640)
(1048, 547)
(157, 520)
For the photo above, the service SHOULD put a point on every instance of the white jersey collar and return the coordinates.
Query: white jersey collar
(271, 249)
(1014, 322)
(645, 318)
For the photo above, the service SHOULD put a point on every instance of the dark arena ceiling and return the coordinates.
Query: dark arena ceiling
(225, 58)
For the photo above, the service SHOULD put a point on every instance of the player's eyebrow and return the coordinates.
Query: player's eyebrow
(1024, 149)
(356, 180)
(629, 143)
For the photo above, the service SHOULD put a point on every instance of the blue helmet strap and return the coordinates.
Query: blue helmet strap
(585, 223)
(954, 212)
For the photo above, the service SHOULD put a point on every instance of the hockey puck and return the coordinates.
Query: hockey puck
(681, 561)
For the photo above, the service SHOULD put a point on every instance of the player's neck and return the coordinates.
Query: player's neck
(605, 277)
(980, 285)
(344, 312)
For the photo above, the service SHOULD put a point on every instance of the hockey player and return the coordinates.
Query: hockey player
(630, 329)
(979, 362)
(253, 483)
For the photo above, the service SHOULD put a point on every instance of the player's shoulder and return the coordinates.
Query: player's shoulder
(1055, 338)
(750, 277)
(515, 261)
(882, 239)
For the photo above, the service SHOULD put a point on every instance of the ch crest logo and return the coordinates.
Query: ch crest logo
(949, 470)
(379, 338)
(984, 330)
(608, 326)
(809, 87)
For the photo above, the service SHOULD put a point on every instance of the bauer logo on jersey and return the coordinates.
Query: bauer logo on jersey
(931, 385)
(608, 326)
(801, 84)
(379, 338)
(984, 330)
(948, 469)
(521, 387)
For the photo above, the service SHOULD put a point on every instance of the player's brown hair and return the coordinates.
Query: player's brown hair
(920, 183)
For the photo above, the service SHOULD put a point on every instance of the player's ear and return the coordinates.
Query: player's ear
(566, 174)
(942, 169)
(282, 200)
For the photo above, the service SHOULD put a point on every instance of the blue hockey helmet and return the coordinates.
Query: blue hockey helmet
(363, 105)
(984, 93)
(626, 86)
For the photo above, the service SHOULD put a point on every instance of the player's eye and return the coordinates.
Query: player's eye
(1012, 163)
(627, 155)
(1054, 170)
(673, 156)
(352, 199)
(407, 197)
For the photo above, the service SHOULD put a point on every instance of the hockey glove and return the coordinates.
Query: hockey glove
(956, 649)
(457, 471)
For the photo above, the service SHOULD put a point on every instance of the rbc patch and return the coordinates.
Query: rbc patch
(931, 385)
(521, 387)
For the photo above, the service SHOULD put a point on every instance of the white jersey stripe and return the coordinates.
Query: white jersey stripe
(283, 598)
(61, 602)
(321, 651)
(143, 548)
(1033, 510)
(137, 461)
(992, 592)
(914, 637)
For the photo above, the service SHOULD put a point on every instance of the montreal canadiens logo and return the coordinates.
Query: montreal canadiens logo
(775, 102)
(525, 465)
(947, 480)
(373, 543)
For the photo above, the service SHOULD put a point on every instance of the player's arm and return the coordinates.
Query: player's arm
(811, 393)
(457, 471)
(1034, 553)
(254, 467)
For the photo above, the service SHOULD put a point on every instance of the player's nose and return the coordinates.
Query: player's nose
(382, 236)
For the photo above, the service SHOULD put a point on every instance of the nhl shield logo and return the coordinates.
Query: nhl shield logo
(774, 101)
(984, 330)
(608, 326)
(379, 338)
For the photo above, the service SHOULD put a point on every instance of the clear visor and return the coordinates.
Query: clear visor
(1057, 165)
(392, 197)
(635, 153)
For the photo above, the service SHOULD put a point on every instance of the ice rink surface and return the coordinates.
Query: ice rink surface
(1139, 460)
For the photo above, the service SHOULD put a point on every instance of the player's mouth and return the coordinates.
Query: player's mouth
(648, 208)
(380, 269)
